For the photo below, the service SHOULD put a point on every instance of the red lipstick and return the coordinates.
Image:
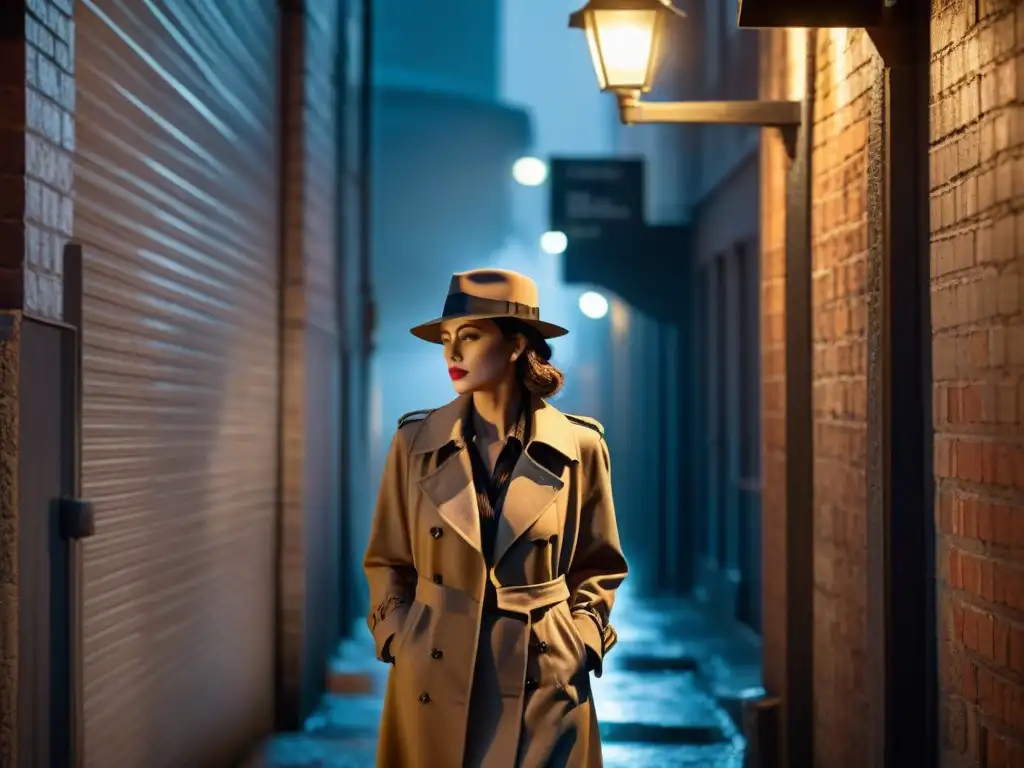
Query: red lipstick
(456, 373)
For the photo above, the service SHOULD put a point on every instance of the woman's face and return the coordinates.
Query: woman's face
(478, 355)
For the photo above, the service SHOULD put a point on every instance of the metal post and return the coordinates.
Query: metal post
(798, 709)
(902, 665)
(76, 516)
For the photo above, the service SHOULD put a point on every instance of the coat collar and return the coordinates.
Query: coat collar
(445, 425)
(532, 487)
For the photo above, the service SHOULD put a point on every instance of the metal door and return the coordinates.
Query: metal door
(177, 209)
(53, 521)
(42, 736)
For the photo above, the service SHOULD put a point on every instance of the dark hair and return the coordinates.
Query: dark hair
(533, 368)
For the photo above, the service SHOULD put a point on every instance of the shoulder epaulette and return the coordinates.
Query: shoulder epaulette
(414, 416)
(586, 421)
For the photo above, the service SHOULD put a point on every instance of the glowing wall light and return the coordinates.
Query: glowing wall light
(530, 171)
(554, 242)
(593, 305)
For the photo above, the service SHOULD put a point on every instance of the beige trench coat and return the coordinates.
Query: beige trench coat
(557, 562)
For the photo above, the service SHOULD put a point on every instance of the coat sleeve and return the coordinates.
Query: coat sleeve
(388, 562)
(598, 565)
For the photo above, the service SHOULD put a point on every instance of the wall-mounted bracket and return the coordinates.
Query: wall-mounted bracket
(77, 518)
(893, 36)
(783, 115)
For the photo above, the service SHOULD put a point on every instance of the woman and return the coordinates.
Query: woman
(494, 554)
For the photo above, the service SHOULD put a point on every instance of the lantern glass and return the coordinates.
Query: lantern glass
(624, 45)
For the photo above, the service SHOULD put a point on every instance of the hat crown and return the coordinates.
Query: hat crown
(490, 294)
(496, 284)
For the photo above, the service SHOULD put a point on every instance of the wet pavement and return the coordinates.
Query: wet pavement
(664, 700)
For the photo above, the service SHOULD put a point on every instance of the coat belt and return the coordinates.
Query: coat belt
(528, 598)
(524, 599)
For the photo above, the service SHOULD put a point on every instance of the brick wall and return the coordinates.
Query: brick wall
(846, 67)
(49, 144)
(977, 262)
(37, 134)
(977, 275)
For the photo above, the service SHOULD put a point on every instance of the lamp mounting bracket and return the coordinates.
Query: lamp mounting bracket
(782, 115)
(894, 36)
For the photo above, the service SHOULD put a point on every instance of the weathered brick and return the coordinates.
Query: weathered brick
(978, 360)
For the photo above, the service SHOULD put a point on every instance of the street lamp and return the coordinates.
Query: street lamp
(626, 41)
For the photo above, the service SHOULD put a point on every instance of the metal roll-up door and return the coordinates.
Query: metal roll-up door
(177, 209)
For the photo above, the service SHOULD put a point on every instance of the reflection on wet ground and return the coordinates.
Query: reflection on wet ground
(654, 699)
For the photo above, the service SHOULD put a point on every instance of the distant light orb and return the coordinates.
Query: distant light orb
(554, 242)
(593, 305)
(530, 171)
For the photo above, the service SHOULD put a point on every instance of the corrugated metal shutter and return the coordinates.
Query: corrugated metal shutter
(177, 208)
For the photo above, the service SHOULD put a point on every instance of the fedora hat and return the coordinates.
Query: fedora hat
(485, 294)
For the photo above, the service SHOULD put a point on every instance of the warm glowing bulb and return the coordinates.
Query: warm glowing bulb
(626, 40)
(554, 242)
(593, 305)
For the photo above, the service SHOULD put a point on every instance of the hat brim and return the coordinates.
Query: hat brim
(431, 331)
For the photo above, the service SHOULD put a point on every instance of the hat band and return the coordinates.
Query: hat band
(458, 304)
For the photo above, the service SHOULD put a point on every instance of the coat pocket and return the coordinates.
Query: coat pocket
(561, 654)
(579, 648)
(408, 628)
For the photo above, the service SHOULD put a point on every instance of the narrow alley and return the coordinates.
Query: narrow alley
(667, 698)
(745, 320)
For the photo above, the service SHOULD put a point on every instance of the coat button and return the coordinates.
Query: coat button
(531, 684)
(437, 653)
(437, 578)
(424, 698)
(436, 532)
(542, 647)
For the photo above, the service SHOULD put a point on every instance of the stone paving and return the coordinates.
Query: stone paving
(654, 699)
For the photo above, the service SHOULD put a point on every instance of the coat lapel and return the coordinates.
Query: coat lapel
(531, 490)
(533, 487)
(450, 489)
(450, 486)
